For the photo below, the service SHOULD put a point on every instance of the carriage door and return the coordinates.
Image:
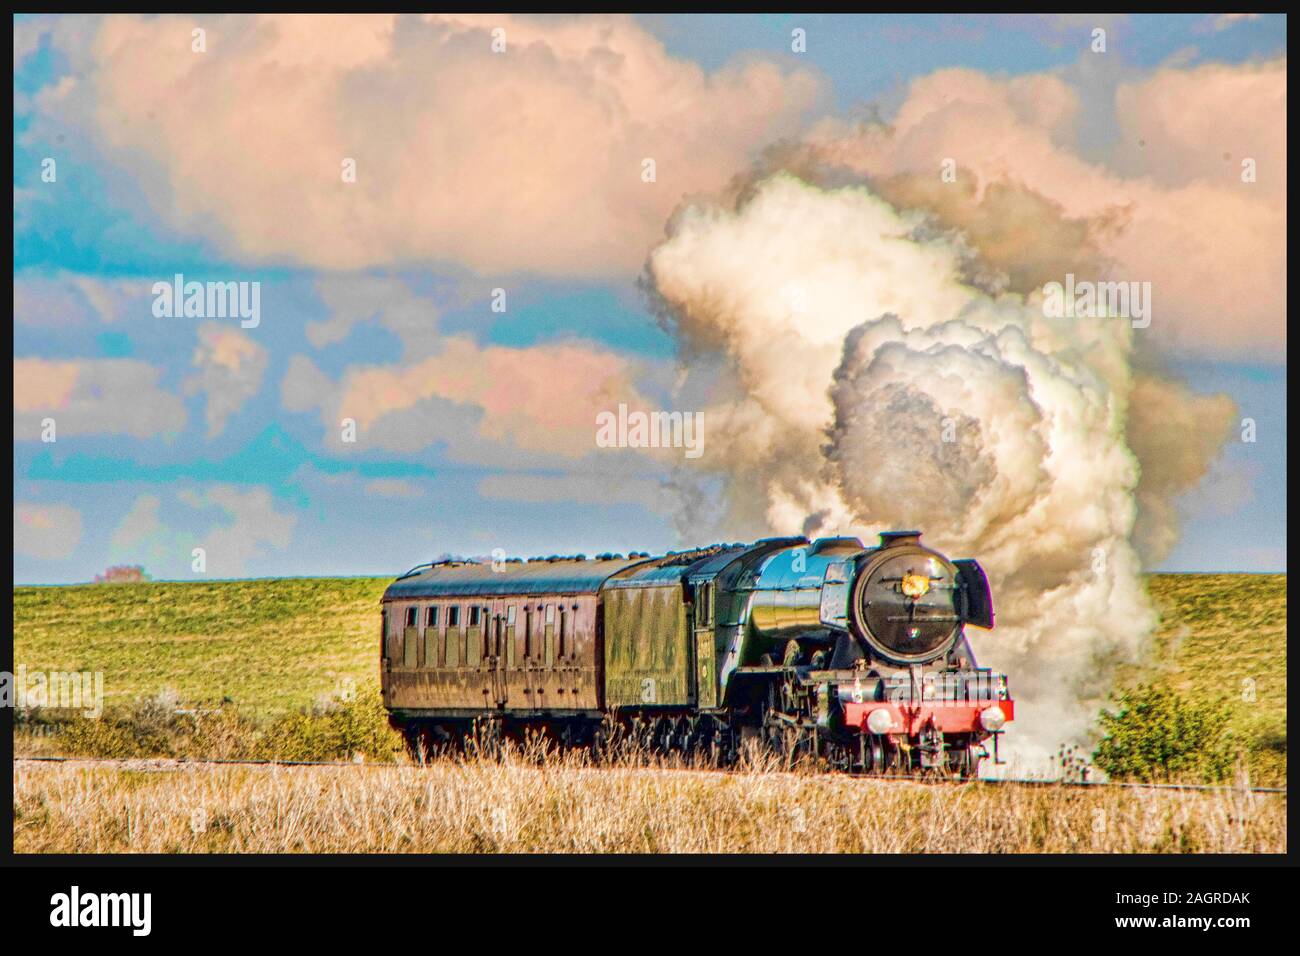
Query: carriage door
(705, 657)
(498, 651)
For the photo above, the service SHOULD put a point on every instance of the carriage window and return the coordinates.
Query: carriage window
(431, 617)
(389, 643)
(528, 632)
(704, 606)
(410, 617)
(564, 632)
(453, 616)
(548, 637)
(510, 616)
(473, 617)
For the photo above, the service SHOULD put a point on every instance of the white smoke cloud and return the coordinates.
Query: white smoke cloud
(870, 387)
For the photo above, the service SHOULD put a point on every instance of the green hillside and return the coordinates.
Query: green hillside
(1222, 637)
(268, 645)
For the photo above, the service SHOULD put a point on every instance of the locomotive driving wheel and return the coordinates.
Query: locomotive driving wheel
(871, 753)
(784, 732)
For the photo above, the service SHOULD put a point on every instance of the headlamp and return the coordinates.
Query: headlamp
(880, 721)
(992, 719)
(916, 585)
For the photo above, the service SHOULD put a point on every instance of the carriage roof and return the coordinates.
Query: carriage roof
(473, 579)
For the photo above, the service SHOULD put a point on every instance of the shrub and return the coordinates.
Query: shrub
(155, 728)
(122, 574)
(1155, 734)
(338, 731)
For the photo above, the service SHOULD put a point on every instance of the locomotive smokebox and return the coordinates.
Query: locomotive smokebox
(905, 601)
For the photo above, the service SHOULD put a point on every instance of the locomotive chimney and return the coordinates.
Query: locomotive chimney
(892, 539)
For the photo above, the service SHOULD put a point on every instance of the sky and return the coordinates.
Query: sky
(449, 220)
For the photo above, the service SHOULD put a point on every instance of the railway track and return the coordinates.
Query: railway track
(178, 763)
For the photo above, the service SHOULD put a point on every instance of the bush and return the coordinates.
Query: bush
(122, 574)
(155, 728)
(1155, 735)
(335, 732)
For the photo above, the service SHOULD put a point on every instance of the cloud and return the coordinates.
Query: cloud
(1176, 435)
(249, 529)
(73, 300)
(230, 369)
(586, 486)
(354, 299)
(103, 396)
(1196, 125)
(142, 538)
(1168, 205)
(255, 528)
(50, 532)
(514, 407)
(1225, 20)
(543, 399)
(392, 488)
(529, 159)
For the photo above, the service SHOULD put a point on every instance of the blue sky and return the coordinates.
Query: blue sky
(177, 433)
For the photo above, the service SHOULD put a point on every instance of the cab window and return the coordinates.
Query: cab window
(704, 605)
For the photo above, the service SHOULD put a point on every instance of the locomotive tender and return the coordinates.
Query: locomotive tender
(855, 655)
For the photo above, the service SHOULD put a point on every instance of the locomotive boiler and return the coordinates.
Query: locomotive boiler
(851, 655)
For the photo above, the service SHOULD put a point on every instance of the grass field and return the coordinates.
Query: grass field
(1222, 638)
(266, 645)
(515, 806)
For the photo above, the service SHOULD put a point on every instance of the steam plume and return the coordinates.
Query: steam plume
(858, 378)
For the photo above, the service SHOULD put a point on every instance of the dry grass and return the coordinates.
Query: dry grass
(516, 806)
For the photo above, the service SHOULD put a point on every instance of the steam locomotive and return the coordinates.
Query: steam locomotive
(851, 655)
